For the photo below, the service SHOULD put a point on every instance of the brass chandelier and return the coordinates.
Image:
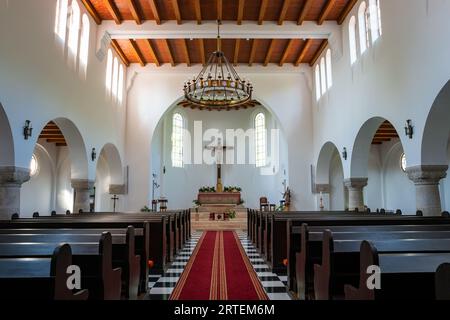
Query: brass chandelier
(218, 86)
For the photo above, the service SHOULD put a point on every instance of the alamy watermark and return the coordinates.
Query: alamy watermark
(234, 146)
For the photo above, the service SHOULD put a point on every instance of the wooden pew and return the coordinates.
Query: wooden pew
(38, 278)
(92, 253)
(340, 255)
(293, 241)
(442, 282)
(148, 237)
(404, 275)
(308, 251)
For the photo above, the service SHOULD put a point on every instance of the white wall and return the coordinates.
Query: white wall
(337, 195)
(38, 83)
(154, 90)
(38, 194)
(398, 78)
(181, 185)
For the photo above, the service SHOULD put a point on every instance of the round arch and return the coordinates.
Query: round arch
(326, 154)
(7, 156)
(436, 133)
(77, 148)
(112, 157)
(359, 165)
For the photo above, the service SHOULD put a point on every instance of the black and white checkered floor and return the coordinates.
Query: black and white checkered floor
(162, 285)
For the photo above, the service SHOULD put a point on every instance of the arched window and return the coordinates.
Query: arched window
(61, 19)
(352, 39)
(34, 166)
(375, 19)
(323, 76)
(362, 22)
(403, 162)
(121, 84)
(177, 141)
(318, 92)
(84, 47)
(74, 29)
(260, 140)
(329, 69)
(115, 80)
(109, 70)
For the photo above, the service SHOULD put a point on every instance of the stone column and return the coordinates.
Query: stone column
(82, 190)
(426, 180)
(355, 188)
(11, 180)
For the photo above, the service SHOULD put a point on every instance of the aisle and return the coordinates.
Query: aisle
(219, 269)
(161, 285)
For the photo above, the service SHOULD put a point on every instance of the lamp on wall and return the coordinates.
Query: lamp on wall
(409, 129)
(344, 153)
(93, 154)
(27, 130)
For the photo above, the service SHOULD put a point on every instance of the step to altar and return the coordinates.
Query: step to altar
(200, 221)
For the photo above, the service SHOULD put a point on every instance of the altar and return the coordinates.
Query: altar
(219, 198)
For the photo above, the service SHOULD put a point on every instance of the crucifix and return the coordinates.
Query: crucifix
(115, 198)
(218, 153)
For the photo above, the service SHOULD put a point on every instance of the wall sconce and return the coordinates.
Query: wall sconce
(27, 130)
(344, 153)
(409, 129)
(93, 154)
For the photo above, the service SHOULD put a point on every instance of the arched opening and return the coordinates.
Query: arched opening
(376, 157)
(6, 141)
(181, 184)
(61, 157)
(109, 180)
(435, 148)
(330, 178)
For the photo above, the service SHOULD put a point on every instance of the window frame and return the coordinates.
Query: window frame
(352, 40)
(363, 27)
(177, 153)
(260, 124)
(84, 41)
(62, 11)
(74, 28)
(329, 66)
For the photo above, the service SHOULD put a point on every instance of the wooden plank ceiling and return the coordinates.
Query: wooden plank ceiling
(52, 134)
(252, 51)
(386, 132)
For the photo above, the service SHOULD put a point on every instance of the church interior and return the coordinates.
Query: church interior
(220, 150)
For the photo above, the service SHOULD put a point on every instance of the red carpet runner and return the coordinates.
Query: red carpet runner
(219, 269)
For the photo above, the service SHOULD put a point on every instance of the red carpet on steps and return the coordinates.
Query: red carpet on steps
(219, 269)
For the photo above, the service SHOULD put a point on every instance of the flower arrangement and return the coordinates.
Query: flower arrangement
(232, 189)
(207, 189)
(231, 214)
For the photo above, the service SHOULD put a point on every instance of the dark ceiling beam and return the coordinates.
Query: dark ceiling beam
(113, 10)
(138, 53)
(92, 11)
(284, 10)
(155, 11)
(303, 53)
(304, 12)
(326, 11)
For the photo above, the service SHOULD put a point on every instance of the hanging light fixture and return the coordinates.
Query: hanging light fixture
(218, 86)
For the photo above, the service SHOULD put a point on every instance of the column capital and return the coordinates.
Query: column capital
(118, 189)
(14, 176)
(427, 174)
(82, 184)
(356, 183)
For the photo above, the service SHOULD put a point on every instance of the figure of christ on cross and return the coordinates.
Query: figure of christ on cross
(218, 152)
